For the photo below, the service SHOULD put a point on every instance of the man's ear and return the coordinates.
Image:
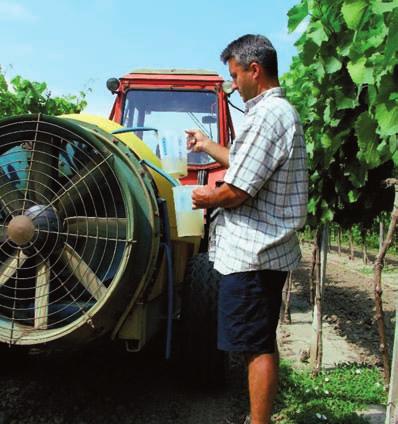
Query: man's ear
(256, 69)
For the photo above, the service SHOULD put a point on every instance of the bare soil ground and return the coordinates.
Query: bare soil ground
(101, 386)
(350, 332)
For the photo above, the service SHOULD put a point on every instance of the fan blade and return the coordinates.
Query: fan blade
(11, 199)
(81, 185)
(43, 171)
(42, 296)
(83, 272)
(97, 227)
(10, 266)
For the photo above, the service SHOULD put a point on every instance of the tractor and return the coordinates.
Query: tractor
(89, 243)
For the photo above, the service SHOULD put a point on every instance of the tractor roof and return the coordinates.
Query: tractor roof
(174, 71)
(176, 75)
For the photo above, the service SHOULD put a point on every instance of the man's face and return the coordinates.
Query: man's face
(242, 80)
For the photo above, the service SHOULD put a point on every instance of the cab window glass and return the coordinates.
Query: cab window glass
(172, 112)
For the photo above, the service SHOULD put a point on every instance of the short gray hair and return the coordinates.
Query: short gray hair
(252, 48)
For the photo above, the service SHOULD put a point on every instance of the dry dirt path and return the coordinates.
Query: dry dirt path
(350, 334)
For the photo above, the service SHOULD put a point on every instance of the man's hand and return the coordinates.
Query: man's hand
(226, 196)
(201, 197)
(199, 142)
(196, 140)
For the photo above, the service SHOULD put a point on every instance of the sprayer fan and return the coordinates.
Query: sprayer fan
(63, 229)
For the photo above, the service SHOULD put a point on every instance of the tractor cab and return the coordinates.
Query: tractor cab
(161, 104)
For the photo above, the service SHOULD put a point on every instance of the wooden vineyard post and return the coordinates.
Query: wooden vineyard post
(339, 240)
(351, 244)
(314, 266)
(378, 267)
(330, 241)
(392, 403)
(316, 350)
(365, 258)
(381, 233)
(381, 237)
(285, 310)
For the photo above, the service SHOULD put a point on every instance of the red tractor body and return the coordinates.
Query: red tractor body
(171, 101)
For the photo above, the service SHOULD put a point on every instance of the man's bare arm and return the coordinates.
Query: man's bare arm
(226, 196)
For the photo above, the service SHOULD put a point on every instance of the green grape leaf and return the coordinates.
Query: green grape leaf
(326, 141)
(395, 158)
(356, 174)
(376, 36)
(312, 205)
(314, 177)
(329, 117)
(392, 39)
(393, 149)
(379, 6)
(365, 129)
(297, 14)
(316, 33)
(327, 114)
(373, 32)
(343, 43)
(372, 94)
(387, 87)
(309, 51)
(38, 87)
(384, 150)
(319, 72)
(330, 146)
(327, 215)
(353, 11)
(387, 118)
(345, 102)
(332, 64)
(353, 196)
(310, 149)
(3, 83)
(360, 73)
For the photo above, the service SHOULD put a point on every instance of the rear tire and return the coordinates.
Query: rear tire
(202, 361)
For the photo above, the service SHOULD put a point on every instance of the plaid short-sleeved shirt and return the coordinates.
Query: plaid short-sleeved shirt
(268, 161)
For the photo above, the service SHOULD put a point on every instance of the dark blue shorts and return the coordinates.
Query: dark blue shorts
(248, 310)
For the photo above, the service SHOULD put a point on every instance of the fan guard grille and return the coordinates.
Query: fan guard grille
(63, 229)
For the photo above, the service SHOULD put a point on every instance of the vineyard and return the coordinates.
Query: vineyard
(344, 84)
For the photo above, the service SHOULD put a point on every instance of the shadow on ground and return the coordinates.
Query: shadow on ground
(348, 306)
(351, 313)
(113, 388)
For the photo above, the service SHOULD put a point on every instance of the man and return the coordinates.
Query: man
(263, 202)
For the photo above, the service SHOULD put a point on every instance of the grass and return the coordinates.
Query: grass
(331, 397)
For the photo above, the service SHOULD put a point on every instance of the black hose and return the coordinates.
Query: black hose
(166, 244)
